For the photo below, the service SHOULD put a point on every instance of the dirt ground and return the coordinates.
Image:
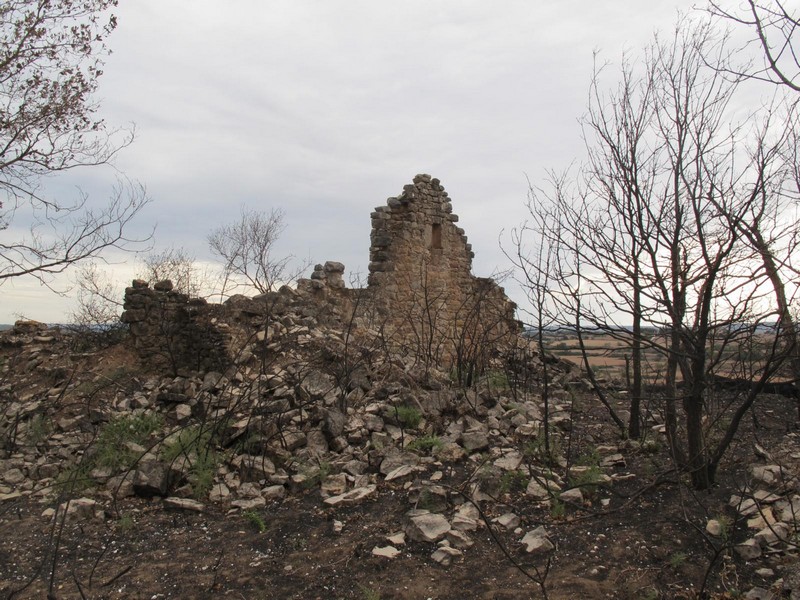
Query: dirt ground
(642, 537)
(647, 543)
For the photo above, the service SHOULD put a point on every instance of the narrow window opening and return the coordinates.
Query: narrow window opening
(436, 237)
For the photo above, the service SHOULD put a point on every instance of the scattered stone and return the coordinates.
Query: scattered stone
(334, 485)
(573, 496)
(766, 573)
(444, 555)
(14, 476)
(249, 503)
(613, 460)
(450, 452)
(763, 519)
(768, 474)
(386, 552)
(397, 539)
(80, 508)
(749, 549)
(459, 539)
(351, 498)
(424, 526)
(758, 593)
(473, 441)
(274, 492)
(184, 504)
(537, 542)
(400, 472)
(219, 492)
(150, 479)
(510, 461)
(467, 518)
(779, 532)
(507, 521)
(714, 527)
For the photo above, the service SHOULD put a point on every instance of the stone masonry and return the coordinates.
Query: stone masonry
(421, 275)
(421, 295)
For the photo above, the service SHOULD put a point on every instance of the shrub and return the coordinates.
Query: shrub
(112, 450)
(426, 444)
(408, 416)
(513, 481)
(256, 520)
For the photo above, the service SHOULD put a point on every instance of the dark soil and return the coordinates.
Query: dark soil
(648, 542)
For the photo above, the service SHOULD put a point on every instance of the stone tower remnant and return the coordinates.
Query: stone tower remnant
(421, 276)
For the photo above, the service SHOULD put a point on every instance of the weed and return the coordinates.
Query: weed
(677, 559)
(113, 451)
(497, 380)
(590, 458)
(315, 475)
(196, 445)
(426, 444)
(38, 430)
(513, 481)
(651, 446)
(73, 480)
(586, 479)
(725, 523)
(125, 523)
(120, 377)
(369, 593)
(650, 594)
(202, 469)
(188, 440)
(299, 543)
(558, 509)
(408, 416)
(256, 520)
(535, 450)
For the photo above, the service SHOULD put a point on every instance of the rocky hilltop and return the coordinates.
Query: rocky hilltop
(401, 440)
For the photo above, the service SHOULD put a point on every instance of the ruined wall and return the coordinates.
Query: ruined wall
(421, 296)
(421, 276)
(172, 331)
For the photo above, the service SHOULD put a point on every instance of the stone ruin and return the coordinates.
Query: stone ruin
(421, 295)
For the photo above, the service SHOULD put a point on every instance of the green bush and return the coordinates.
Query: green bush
(497, 380)
(256, 520)
(426, 444)
(112, 450)
(513, 481)
(189, 440)
(315, 474)
(201, 473)
(408, 416)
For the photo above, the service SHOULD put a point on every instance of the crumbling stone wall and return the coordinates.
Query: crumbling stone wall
(173, 331)
(421, 276)
(420, 294)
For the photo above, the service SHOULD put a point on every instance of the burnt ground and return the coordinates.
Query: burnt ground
(648, 542)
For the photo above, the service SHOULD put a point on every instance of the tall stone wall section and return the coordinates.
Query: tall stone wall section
(421, 276)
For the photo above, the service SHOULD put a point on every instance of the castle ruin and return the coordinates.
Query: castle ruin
(421, 293)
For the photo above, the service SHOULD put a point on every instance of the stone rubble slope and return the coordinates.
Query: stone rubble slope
(308, 406)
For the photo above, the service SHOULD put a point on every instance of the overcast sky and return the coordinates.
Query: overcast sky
(326, 108)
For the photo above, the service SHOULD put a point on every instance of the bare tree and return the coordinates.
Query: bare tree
(98, 305)
(774, 27)
(663, 232)
(247, 249)
(50, 62)
(177, 266)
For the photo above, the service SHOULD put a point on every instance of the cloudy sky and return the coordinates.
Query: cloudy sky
(325, 108)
